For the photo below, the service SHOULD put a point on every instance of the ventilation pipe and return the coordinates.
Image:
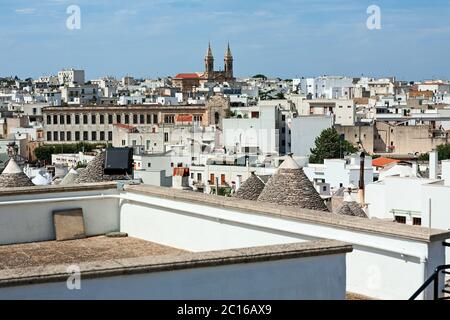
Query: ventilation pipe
(361, 178)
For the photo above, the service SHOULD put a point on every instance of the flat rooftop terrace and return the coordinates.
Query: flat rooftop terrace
(91, 249)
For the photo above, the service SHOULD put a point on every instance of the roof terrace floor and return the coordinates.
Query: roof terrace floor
(76, 251)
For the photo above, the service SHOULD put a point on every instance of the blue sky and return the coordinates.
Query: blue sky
(285, 38)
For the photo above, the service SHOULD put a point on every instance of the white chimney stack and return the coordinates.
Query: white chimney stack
(433, 164)
(446, 172)
(415, 169)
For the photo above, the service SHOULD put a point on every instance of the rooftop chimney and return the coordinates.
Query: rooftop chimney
(433, 164)
(446, 172)
(361, 178)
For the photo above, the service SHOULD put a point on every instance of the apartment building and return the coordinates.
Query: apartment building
(96, 123)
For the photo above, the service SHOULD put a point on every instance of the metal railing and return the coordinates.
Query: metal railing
(434, 278)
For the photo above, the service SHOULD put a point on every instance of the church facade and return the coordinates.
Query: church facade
(187, 82)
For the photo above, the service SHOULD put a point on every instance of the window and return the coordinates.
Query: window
(94, 119)
(69, 119)
(169, 119)
(149, 165)
(55, 136)
(124, 142)
(55, 119)
(85, 136)
(222, 179)
(199, 177)
(135, 118)
(148, 144)
(62, 119)
(212, 179)
(69, 136)
(340, 107)
(400, 219)
(102, 136)
(77, 119)
(94, 136)
(283, 117)
(49, 136)
(166, 137)
(324, 188)
(102, 119)
(110, 137)
(255, 115)
(110, 118)
(118, 118)
(155, 118)
(149, 119)
(77, 135)
(283, 130)
(141, 119)
(134, 143)
(49, 120)
(127, 119)
(417, 221)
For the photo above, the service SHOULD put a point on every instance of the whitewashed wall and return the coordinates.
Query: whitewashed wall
(282, 279)
(33, 222)
(381, 266)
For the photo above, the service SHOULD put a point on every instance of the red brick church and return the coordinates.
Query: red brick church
(188, 81)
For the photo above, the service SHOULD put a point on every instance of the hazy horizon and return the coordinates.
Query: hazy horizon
(286, 39)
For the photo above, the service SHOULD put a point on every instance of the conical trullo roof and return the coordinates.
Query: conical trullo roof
(251, 188)
(291, 187)
(94, 171)
(70, 177)
(350, 207)
(14, 177)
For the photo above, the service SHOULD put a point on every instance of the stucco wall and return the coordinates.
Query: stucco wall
(320, 277)
(381, 266)
(32, 222)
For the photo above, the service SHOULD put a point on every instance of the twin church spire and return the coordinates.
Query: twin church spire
(228, 64)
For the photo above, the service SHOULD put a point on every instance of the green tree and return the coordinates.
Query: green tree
(443, 151)
(329, 145)
(259, 76)
(45, 152)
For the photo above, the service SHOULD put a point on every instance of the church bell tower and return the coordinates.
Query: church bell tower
(209, 63)
(228, 63)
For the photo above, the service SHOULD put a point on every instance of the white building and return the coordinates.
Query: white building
(71, 160)
(258, 131)
(71, 76)
(304, 130)
(340, 173)
(326, 87)
(228, 245)
(343, 110)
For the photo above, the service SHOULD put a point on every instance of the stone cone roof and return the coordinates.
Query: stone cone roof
(94, 171)
(70, 177)
(351, 209)
(251, 188)
(291, 187)
(14, 177)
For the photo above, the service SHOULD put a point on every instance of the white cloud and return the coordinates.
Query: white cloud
(25, 11)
